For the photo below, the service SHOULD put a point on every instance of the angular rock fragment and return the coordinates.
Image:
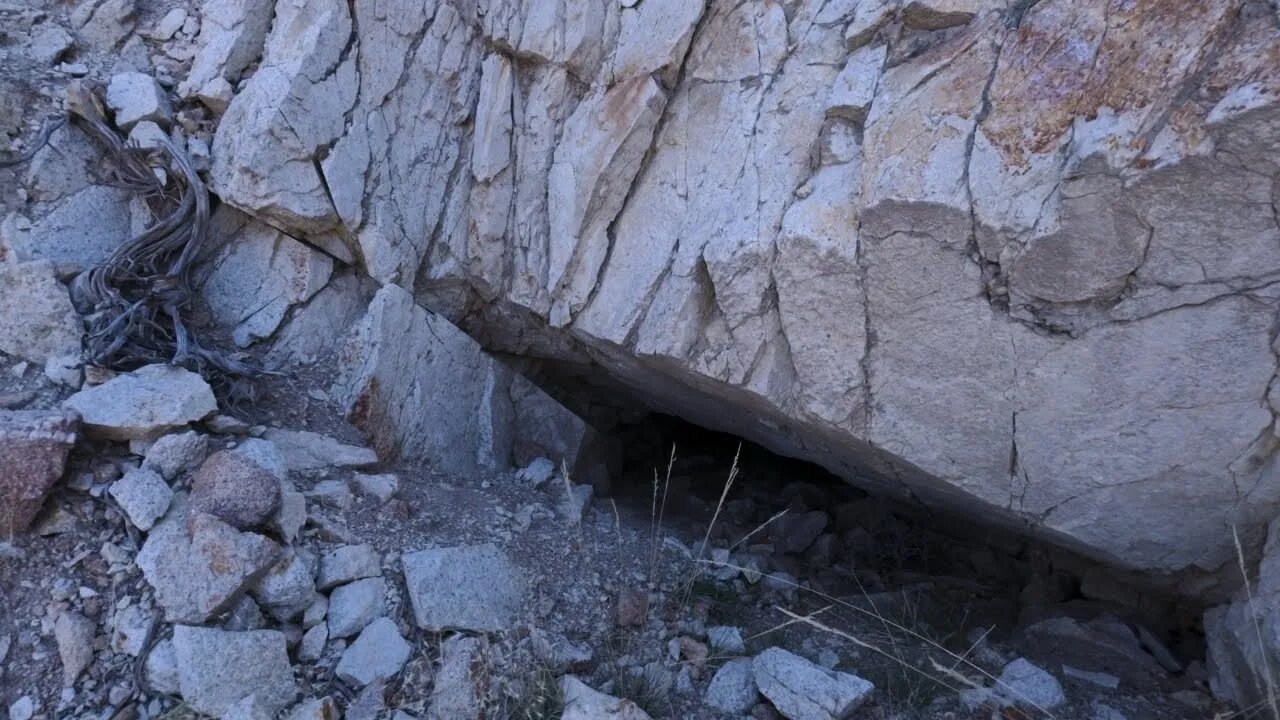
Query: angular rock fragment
(217, 668)
(581, 702)
(465, 588)
(134, 97)
(33, 452)
(82, 229)
(172, 455)
(305, 451)
(74, 635)
(199, 566)
(733, 688)
(289, 588)
(39, 321)
(313, 642)
(233, 487)
(347, 563)
(143, 404)
(378, 654)
(456, 691)
(801, 690)
(231, 36)
(354, 605)
(143, 495)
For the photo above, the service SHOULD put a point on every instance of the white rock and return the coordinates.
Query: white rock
(538, 472)
(288, 589)
(134, 96)
(231, 37)
(40, 323)
(22, 709)
(162, 668)
(455, 695)
(65, 371)
(83, 228)
(174, 454)
(347, 563)
(584, 703)
(49, 44)
(129, 628)
(1026, 685)
(313, 642)
(855, 86)
(466, 588)
(148, 136)
(733, 688)
(801, 690)
(144, 404)
(143, 495)
(378, 654)
(74, 635)
(381, 487)
(217, 668)
(354, 605)
(169, 25)
(307, 451)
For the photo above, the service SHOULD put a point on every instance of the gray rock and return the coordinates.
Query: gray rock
(733, 688)
(33, 452)
(467, 588)
(231, 486)
(288, 589)
(315, 612)
(74, 635)
(292, 514)
(175, 454)
(217, 668)
(794, 533)
(313, 642)
(199, 566)
(582, 702)
(250, 707)
(538, 472)
(725, 640)
(81, 230)
(1025, 685)
(1105, 680)
(143, 495)
(378, 654)
(354, 605)
(59, 170)
(129, 628)
(65, 371)
(48, 45)
(162, 668)
(314, 709)
(349, 562)
(456, 692)
(22, 709)
(134, 96)
(245, 615)
(40, 323)
(332, 494)
(801, 690)
(307, 451)
(380, 487)
(143, 404)
(231, 36)
(103, 24)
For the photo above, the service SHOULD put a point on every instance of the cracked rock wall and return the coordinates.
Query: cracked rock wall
(1019, 260)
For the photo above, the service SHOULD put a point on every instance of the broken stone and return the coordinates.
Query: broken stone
(288, 589)
(217, 668)
(33, 452)
(801, 690)
(48, 45)
(129, 628)
(143, 404)
(169, 25)
(64, 371)
(231, 37)
(332, 494)
(47, 326)
(378, 654)
(456, 691)
(233, 487)
(725, 640)
(1024, 684)
(134, 96)
(581, 702)
(315, 612)
(466, 588)
(733, 688)
(313, 642)
(199, 566)
(162, 668)
(246, 615)
(216, 95)
(354, 605)
(250, 707)
(307, 451)
(537, 472)
(855, 86)
(292, 514)
(74, 635)
(172, 455)
(102, 24)
(313, 709)
(380, 487)
(345, 564)
(143, 495)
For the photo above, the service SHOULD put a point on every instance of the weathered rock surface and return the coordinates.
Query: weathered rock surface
(231, 36)
(144, 404)
(801, 690)
(175, 454)
(236, 489)
(972, 266)
(33, 453)
(733, 688)
(377, 654)
(74, 634)
(143, 495)
(305, 451)
(217, 669)
(456, 692)
(199, 566)
(354, 605)
(464, 588)
(397, 366)
(581, 702)
(40, 322)
(1243, 636)
(346, 564)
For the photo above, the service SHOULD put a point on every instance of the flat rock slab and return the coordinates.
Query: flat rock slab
(199, 565)
(217, 668)
(464, 588)
(144, 404)
(33, 454)
(733, 688)
(354, 605)
(802, 690)
(581, 702)
(307, 451)
(349, 562)
(377, 654)
(38, 321)
(143, 495)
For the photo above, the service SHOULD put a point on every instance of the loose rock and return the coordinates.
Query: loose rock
(74, 635)
(47, 325)
(354, 605)
(231, 486)
(134, 96)
(455, 696)
(143, 495)
(175, 454)
(581, 702)
(378, 654)
(217, 668)
(733, 688)
(801, 690)
(288, 589)
(307, 451)
(347, 563)
(143, 404)
(467, 588)
(33, 451)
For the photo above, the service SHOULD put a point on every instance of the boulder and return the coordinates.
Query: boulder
(474, 587)
(801, 690)
(144, 404)
(217, 668)
(199, 566)
(33, 453)
(233, 486)
(378, 654)
(40, 322)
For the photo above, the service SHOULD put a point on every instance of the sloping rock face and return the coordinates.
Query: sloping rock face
(1016, 260)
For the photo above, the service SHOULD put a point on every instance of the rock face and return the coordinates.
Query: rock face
(33, 453)
(1016, 261)
(419, 386)
(1243, 636)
